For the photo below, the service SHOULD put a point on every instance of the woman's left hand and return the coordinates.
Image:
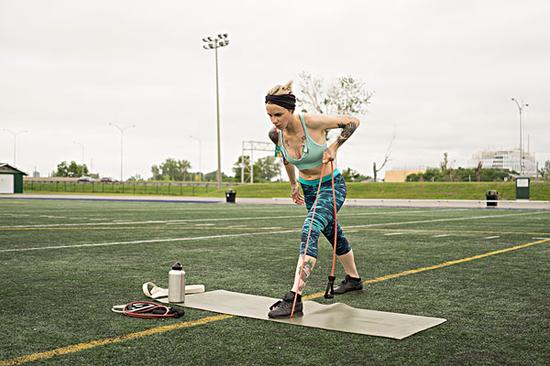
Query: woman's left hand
(329, 154)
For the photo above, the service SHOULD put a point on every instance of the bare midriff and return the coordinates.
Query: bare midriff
(314, 173)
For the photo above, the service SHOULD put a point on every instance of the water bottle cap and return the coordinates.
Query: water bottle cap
(177, 266)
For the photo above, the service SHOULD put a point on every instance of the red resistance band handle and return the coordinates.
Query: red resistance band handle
(329, 292)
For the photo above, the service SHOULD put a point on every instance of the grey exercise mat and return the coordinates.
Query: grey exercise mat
(337, 316)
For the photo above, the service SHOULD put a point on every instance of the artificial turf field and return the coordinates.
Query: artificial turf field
(65, 263)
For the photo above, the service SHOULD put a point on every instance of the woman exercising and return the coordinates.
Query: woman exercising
(302, 141)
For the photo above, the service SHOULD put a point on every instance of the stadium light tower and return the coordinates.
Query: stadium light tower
(14, 134)
(121, 129)
(82, 147)
(521, 106)
(213, 43)
(200, 153)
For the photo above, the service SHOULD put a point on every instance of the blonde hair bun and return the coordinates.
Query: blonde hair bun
(281, 89)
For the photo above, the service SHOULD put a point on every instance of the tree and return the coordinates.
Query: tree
(353, 175)
(212, 177)
(265, 169)
(461, 174)
(135, 178)
(478, 171)
(377, 168)
(445, 171)
(545, 171)
(346, 95)
(71, 170)
(171, 169)
(237, 168)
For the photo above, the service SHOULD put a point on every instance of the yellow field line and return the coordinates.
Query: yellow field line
(103, 342)
(166, 328)
(437, 266)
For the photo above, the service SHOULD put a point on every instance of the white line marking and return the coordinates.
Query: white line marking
(393, 234)
(441, 236)
(205, 224)
(128, 222)
(144, 241)
(447, 219)
(492, 237)
(251, 234)
(541, 238)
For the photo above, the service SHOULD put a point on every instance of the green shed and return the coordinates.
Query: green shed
(11, 179)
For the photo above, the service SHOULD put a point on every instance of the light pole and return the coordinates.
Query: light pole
(121, 129)
(214, 43)
(14, 134)
(82, 146)
(521, 106)
(200, 154)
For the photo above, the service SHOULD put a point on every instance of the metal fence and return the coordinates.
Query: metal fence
(161, 188)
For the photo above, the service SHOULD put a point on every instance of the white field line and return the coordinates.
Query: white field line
(441, 235)
(123, 222)
(446, 220)
(251, 234)
(393, 234)
(459, 232)
(540, 238)
(492, 237)
(152, 241)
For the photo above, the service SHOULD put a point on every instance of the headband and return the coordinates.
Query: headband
(287, 101)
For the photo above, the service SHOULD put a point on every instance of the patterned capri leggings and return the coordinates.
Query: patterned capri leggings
(323, 221)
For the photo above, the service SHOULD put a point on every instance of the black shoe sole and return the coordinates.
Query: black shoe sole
(285, 316)
(296, 313)
(351, 290)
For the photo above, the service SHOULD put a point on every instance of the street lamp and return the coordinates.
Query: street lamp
(82, 146)
(214, 43)
(121, 129)
(200, 154)
(521, 106)
(14, 134)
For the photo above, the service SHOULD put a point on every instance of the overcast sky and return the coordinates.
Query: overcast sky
(443, 73)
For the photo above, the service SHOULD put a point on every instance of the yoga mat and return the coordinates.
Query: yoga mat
(338, 317)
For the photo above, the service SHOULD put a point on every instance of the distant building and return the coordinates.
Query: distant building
(400, 175)
(507, 159)
(11, 179)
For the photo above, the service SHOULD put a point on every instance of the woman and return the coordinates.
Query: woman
(302, 141)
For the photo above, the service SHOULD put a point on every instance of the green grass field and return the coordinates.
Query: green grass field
(65, 263)
(410, 190)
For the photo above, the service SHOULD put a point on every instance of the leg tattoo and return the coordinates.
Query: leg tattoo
(306, 272)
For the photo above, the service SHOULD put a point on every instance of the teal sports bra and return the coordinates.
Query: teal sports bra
(312, 154)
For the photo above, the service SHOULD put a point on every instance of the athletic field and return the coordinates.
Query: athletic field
(65, 263)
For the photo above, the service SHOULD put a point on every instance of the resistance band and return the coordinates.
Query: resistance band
(329, 293)
(148, 310)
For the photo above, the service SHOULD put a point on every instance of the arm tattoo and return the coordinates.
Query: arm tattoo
(274, 136)
(347, 130)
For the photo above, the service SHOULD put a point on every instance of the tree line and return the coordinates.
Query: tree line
(445, 173)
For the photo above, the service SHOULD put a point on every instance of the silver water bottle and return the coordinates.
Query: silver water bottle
(176, 283)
